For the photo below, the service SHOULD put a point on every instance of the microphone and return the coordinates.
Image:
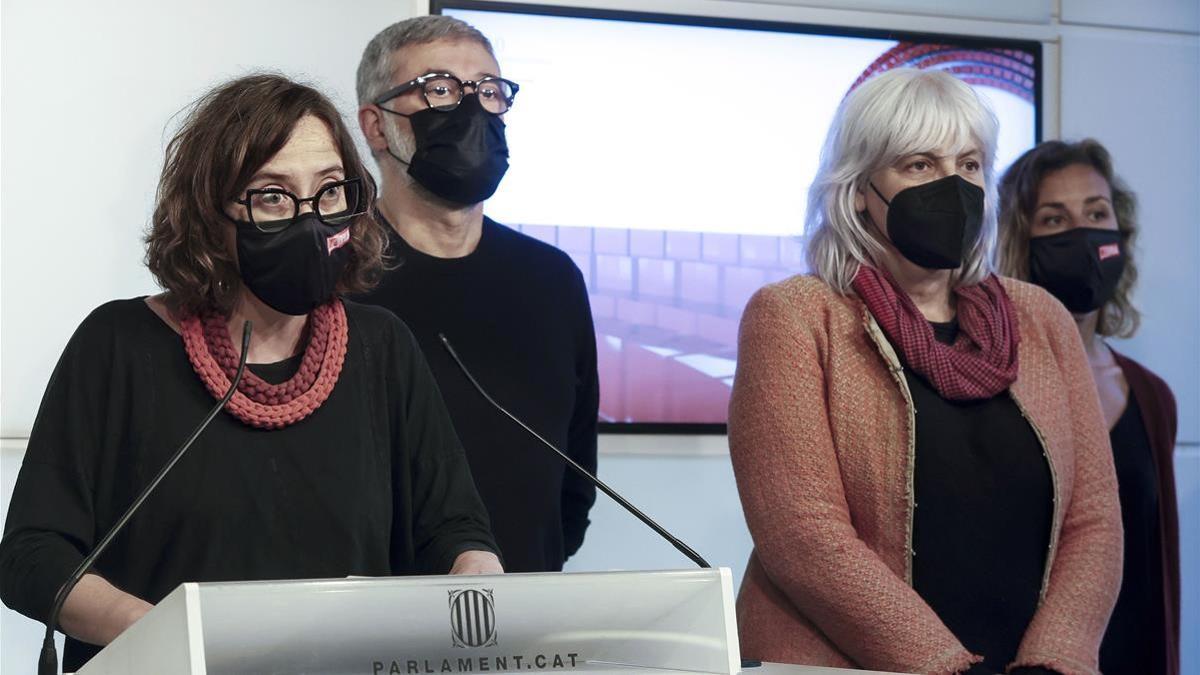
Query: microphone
(48, 662)
(662, 532)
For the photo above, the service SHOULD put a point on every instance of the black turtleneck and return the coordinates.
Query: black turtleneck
(516, 310)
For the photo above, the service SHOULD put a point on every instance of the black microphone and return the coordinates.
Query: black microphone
(662, 532)
(48, 662)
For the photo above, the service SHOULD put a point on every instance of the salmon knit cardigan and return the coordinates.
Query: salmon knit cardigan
(822, 438)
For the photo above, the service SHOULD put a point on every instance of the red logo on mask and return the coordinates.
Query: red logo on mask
(339, 240)
(1109, 251)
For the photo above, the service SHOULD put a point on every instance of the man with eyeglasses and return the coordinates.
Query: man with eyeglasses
(431, 106)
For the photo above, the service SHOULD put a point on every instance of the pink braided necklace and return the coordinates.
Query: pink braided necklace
(258, 402)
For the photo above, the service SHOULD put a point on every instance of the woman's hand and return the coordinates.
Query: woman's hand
(477, 562)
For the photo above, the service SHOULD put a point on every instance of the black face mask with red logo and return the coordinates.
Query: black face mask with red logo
(295, 269)
(1081, 267)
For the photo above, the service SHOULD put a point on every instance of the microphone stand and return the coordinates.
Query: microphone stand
(662, 532)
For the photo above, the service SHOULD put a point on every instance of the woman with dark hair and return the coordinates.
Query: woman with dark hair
(1068, 224)
(335, 457)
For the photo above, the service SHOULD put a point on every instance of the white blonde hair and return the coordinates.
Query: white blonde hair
(892, 115)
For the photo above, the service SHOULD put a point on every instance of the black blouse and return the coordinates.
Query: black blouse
(984, 505)
(1133, 643)
(373, 483)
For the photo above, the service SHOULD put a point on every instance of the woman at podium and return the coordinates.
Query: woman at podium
(921, 457)
(335, 456)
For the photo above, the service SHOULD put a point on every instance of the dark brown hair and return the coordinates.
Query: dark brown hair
(227, 136)
(1018, 199)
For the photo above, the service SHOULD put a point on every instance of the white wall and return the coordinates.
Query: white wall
(89, 91)
(1138, 92)
(89, 88)
(1149, 117)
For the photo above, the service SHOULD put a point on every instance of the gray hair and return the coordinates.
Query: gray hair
(375, 68)
(897, 113)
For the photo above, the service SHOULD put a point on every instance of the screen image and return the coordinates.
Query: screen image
(671, 158)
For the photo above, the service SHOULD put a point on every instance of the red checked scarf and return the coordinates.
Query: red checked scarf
(980, 364)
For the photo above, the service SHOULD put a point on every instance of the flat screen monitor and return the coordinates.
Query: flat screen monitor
(670, 157)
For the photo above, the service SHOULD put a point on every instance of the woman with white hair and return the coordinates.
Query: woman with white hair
(919, 448)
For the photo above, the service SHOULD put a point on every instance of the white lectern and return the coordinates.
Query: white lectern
(669, 621)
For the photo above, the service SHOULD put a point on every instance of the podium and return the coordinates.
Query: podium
(620, 622)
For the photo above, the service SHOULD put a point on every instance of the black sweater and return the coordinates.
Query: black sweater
(1134, 641)
(516, 311)
(373, 483)
(981, 528)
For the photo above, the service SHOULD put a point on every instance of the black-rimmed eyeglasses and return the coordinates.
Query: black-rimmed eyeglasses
(274, 209)
(443, 91)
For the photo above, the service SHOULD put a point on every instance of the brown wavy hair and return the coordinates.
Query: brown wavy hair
(227, 136)
(1018, 198)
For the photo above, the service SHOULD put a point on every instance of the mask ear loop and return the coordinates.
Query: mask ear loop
(881, 230)
(389, 145)
(397, 157)
(881, 197)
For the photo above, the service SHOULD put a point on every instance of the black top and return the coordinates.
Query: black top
(373, 483)
(516, 311)
(984, 505)
(1134, 640)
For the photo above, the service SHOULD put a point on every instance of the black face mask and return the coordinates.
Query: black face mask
(1080, 267)
(461, 154)
(295, 269)
(933, 224)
